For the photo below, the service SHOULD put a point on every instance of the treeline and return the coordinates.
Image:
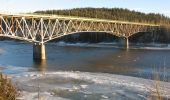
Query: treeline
(112, 14)
(142, 37)
(88, 37)
(162, 36)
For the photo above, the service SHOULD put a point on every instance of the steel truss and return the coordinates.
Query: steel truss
(41, 29)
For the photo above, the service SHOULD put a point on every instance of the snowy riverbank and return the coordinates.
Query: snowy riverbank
(73, 85)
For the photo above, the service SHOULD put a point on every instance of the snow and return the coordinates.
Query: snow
(105, 86)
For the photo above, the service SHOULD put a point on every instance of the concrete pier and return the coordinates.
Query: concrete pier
(127, 43)
(39, 51)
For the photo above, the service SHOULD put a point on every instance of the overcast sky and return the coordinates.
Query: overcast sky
(147, 6)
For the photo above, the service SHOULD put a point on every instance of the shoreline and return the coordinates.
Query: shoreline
(32, 82)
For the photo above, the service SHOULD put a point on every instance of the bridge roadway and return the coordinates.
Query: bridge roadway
(40, 29)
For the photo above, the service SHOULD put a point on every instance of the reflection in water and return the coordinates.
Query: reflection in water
(40, 65)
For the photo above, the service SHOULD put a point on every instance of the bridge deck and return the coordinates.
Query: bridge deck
(38, 16)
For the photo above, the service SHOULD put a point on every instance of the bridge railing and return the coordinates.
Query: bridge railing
(51, 16)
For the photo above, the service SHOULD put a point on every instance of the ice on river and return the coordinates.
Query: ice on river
(64, 85)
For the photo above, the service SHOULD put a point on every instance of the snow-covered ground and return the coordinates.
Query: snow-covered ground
(63, 85)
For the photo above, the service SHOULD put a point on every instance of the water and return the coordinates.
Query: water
(103, 58)
(91, 63)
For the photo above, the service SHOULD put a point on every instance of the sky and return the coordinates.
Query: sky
(24, 6)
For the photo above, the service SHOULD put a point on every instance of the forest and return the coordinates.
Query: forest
(112, 14)
(163, 36)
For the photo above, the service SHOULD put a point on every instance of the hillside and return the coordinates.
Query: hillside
(113, 14)
(162, 36)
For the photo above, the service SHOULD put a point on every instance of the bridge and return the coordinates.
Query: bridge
(39, 29)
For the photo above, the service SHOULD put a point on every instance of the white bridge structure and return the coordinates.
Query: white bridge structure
(39, 29)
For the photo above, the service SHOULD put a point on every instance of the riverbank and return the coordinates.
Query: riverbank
(66, 85)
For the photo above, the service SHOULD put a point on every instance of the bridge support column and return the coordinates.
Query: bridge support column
(127, 43)
(124, 42)
(39, 51)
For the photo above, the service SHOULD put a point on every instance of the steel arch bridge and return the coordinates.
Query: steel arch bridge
(40, 29)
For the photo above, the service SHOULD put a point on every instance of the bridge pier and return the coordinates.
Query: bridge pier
(39, 51)
(127, 43)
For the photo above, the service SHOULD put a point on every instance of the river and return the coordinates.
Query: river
(86, 71)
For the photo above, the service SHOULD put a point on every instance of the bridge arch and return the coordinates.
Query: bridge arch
(81, 32)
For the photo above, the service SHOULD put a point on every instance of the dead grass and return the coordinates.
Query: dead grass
(7, 90)
(158, 92)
